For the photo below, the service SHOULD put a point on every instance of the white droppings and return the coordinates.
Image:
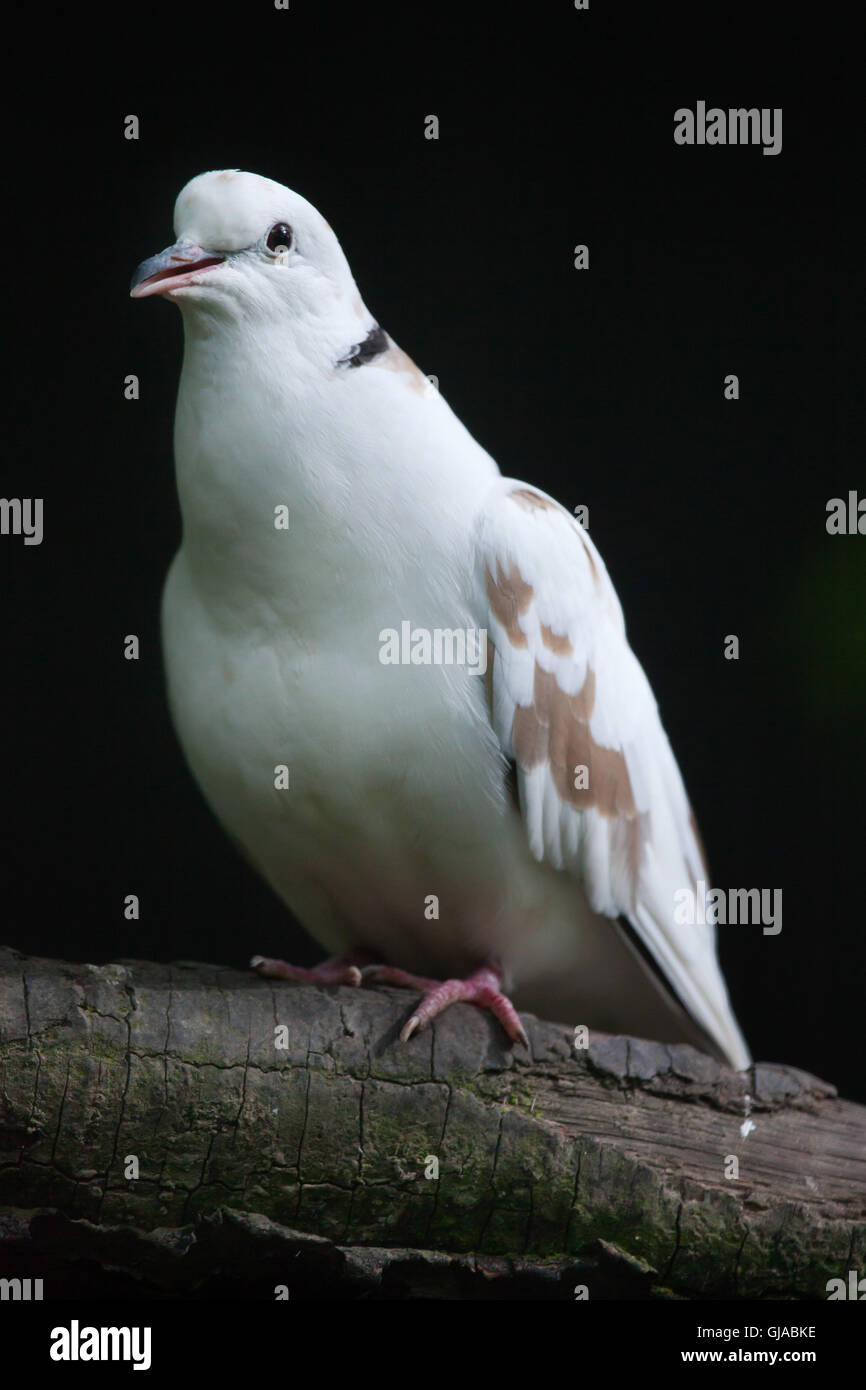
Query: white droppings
(748, 1125)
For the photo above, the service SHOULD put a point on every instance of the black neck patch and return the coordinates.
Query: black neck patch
(375, 343)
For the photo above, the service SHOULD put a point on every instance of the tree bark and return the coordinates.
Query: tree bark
(187, 1130)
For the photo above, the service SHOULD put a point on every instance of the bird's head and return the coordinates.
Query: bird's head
(249, 247)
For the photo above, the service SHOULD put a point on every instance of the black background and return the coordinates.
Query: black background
(603, 387)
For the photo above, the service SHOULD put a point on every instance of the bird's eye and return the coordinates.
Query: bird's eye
(280, 235)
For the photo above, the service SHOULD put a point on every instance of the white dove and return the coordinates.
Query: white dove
(518, 833)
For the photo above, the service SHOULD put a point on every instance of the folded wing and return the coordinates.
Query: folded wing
(600, 791)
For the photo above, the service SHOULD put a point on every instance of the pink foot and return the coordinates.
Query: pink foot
(336, 970)
(481, 988)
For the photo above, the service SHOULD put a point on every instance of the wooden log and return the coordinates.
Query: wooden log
(188, 1127)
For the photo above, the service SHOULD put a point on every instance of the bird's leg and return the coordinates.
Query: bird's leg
(483, 988)
(336, 970)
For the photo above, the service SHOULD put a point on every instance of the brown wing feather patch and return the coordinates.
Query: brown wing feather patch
(555, 728)
(509, 596)
(556, 642)
(532, 501)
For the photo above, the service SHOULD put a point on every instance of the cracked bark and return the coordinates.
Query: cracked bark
(306, 1164)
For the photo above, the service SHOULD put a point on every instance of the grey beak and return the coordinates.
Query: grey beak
(175, 266)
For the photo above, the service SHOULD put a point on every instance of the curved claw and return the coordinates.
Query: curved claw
(409, 1027)
(482, 989)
